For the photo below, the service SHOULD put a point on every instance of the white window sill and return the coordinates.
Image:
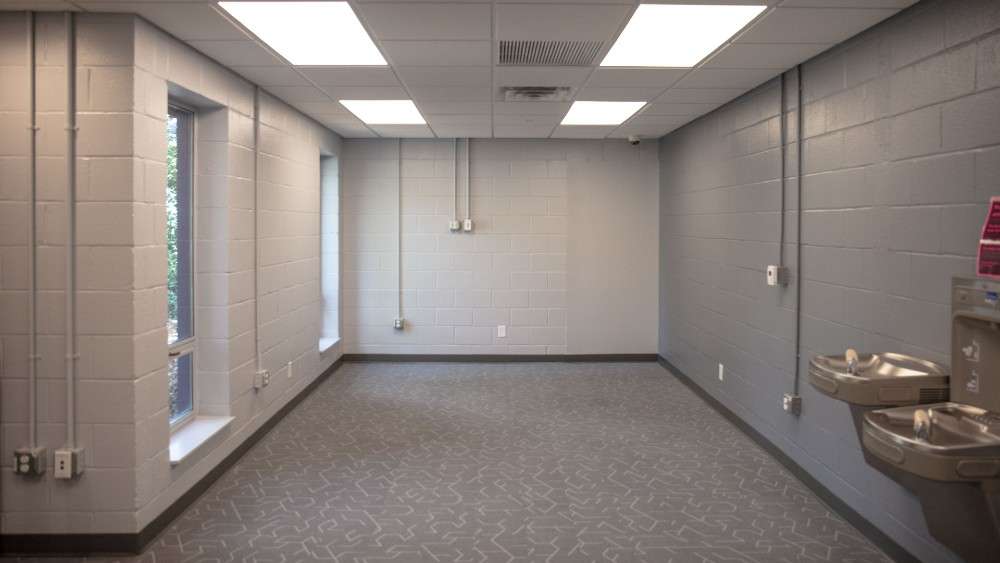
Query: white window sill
(188, 438)
(326, 343)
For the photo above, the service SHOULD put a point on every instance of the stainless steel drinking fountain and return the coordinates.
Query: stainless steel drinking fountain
(948, 453)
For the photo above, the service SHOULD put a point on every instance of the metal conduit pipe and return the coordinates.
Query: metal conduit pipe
(258, 362)
(72, 357)
(798, 225)
(32, 245)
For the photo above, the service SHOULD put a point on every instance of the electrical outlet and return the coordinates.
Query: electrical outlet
(501, 331)
(289, 372)
(398, 323)
(29, 462)
(68, 463)
(454, 225)
(467, 225)
(261, 379)
(791, 403)
(777, 275)
(722, 372)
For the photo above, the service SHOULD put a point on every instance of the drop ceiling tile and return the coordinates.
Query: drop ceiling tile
(453, 107)
(898, 4)
(193, 21)
(531, 108)
(812, 25)
(779, 56)
(645, 131)
(541, 76)
(352, 131)
(678, 109)
(347, 76)
(700, 95)
(636, 77)
(521, 131)
(458, 119)
(438, 53)
(663, 119)
(598, 94)
(460, 131)
(390, 20)
(556, 22)
(237, 53)
(726, 78)
(272, 75)
(293, 94)
(445, 75)
(403, 131)
(329, 108)
(366, 92)
(534, 120)
(451, 93)
(583, 131)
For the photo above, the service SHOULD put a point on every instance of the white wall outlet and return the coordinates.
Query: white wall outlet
(722, 372)
(289, 372)
(398, 323)
(467, 225)
(68, 463)
(454, 225)
(29, 462)
(777, 275)
(791, 403)
(501, 331)
(261, 379)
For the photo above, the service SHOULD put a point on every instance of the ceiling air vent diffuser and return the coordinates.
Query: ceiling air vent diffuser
(536, 93)
(548, 53)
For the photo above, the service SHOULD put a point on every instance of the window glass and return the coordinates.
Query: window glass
(329, 249)
(178, 200)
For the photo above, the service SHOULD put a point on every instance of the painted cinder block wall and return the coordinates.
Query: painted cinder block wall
(901, 135)
(564, 251)
(127, 70)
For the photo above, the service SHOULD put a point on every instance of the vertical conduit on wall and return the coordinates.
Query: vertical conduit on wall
(72, 357)
(399, 229)
(256, 234)
(468, 183)
(454, 215)
(32, 246)
(799, 173)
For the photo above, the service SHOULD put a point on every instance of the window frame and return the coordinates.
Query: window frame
(188, 345)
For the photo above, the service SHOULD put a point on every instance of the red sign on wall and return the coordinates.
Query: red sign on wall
(988, 258)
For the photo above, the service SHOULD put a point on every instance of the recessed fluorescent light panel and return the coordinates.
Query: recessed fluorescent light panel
(676, 35)
(600, 113)
(309, 33)
(385, 112)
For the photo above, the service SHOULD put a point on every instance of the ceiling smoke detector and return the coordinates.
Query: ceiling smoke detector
(536, 93)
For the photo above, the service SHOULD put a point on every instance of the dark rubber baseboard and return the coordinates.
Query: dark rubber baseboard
(500, 358)
(888, 545)
(99, 544)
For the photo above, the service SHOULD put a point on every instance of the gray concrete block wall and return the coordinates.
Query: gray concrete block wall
(518, 267)
(126, 69)
(902, 127)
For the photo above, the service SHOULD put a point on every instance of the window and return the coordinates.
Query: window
(180, 309)
(329, 185)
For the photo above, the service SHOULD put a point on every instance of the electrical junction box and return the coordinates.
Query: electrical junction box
(454, 225)
(29, 462)
(68, 463)
(791, 403)
(777, 275)
(398, 324)
(467, 225)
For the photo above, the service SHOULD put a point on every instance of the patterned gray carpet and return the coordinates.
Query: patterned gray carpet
(450, 463)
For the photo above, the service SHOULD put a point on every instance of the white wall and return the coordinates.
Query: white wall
(519, 268)
(127, 68)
